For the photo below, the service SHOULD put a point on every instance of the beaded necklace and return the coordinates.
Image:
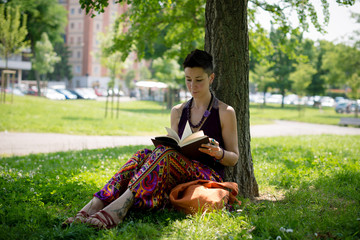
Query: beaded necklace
(206, 113)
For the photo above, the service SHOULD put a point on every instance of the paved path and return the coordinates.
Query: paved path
(26, 143)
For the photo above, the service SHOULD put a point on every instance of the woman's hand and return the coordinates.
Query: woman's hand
(213, 149)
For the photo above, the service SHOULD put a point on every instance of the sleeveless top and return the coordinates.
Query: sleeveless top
(211, 128)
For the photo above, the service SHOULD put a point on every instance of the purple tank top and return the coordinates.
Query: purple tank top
(211, 128)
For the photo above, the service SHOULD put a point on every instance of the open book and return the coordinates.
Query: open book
(189, 143)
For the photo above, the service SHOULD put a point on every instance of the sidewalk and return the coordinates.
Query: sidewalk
(26, 143)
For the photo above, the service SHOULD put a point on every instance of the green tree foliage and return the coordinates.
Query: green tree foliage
(62, 69)
(13, 32)
(283, 59)
(341, 62)
(12, 38)
(168, 24)
(301, 77)
(44, 60)
(166, 28)
(262, 76)
(317, 85)
(43, 16)
(354, 83)
(145, 73)
(357, 32)
(129, 79)
(168, 71)
(112, 60)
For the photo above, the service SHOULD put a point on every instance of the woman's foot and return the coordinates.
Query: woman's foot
(113, 214)
(80, 217)
(92, 207)
(103, 220)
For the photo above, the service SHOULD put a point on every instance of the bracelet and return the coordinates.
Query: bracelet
(222, 157)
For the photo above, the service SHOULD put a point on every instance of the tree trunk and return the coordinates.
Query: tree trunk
(226, 38)
(37, 76)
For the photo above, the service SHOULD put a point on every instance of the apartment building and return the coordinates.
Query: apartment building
(83, 42)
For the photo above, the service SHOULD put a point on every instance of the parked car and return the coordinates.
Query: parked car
(275, 98)
(346, 107)
(291, 99)
(85, 93)
(67, 93)
(15, 91)
(53, 95)
(101, 92)
(32, 92)
(327, 101)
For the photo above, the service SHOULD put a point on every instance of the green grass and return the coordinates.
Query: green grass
(33, 114)
(263, 115)
(309, 184)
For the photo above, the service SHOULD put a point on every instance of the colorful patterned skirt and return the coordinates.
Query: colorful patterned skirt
(151, 175)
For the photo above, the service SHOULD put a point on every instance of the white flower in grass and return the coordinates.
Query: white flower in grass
(32, 189)
(278, 238)
(282, 229)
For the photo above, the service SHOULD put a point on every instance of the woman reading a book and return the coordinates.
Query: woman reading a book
(146, 180)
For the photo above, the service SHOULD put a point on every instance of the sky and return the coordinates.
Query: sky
(340, 26)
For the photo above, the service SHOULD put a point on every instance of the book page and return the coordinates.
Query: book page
(187, 131)
(173, 134)
(193, 138)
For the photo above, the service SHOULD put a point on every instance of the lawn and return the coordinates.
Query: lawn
(309, 185)
(325, 115)
(83, 117)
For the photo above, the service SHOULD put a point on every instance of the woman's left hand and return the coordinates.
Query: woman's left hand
(213, 149)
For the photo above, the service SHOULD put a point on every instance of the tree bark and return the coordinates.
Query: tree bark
(226, 38)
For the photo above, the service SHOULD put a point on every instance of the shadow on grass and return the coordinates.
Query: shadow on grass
(40, 191)
(327, 208)
(317, 190)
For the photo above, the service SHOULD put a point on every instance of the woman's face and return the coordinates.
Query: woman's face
(198, 81)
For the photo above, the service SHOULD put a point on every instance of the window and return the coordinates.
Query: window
(77, 69)
(72, 25)
(72, 11)
(78, 54)
(79, 10)
(96, 70)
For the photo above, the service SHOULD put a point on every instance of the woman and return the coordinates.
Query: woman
(146, 180)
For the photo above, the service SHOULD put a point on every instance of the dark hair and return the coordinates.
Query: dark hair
(199, 58)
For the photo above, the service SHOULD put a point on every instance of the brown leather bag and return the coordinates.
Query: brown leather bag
(202, 195)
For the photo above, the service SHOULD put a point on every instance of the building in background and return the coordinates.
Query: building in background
(81, 38)
(18, 63)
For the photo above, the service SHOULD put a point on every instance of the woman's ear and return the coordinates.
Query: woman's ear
(212, 77)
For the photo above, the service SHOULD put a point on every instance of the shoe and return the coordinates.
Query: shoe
(107, 222)
(80, 217)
